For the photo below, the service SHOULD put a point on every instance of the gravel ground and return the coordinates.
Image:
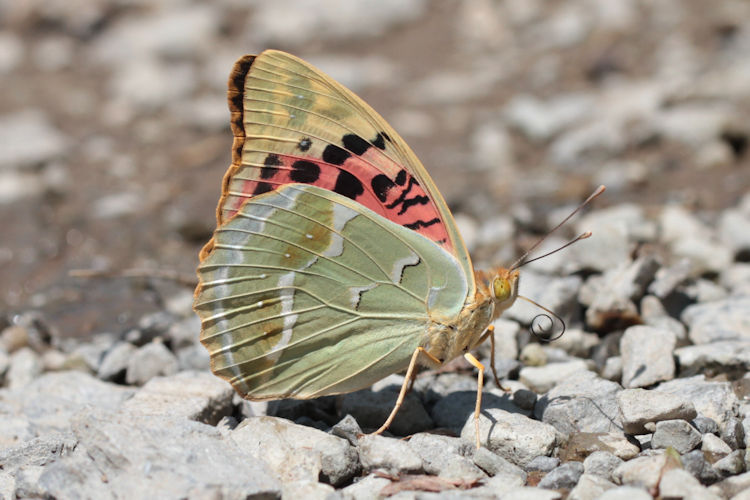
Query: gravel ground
(114, 137)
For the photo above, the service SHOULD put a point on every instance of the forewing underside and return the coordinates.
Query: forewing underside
(293, 123)
(307, 293)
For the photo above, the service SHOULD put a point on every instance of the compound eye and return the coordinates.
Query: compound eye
(501, 289)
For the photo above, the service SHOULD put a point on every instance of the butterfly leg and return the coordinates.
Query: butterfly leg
(410, 374)
(491, 334)
(480, 383)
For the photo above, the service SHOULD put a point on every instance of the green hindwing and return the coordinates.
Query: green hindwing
(308, 293)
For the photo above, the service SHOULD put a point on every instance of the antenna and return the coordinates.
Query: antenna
(522, 259)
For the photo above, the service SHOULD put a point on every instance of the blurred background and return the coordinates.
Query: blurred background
(114, 129)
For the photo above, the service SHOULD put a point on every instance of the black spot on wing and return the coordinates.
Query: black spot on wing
(405, 192)
(335, 155)
(348, 185)
(304, 144)
(379, 141)
(386, 136)
(381, 184)
(304, 171)
(355, 144)
(269, 166)
(262, 187)
(401, 177)
(236, 100)
(417, 200)
(420, 223)
(403, 269)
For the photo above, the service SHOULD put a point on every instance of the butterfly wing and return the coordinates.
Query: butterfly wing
(307, 293)
(294, 124)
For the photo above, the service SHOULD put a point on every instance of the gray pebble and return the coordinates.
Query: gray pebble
(643, 471)
(371, 409)
(696, 464)
(580, 445)
(732, 464)
(514, 437)
(392, 455)
(705, 425)
(667, 279)
(639, 407)
(295, 452)
(566, 476)
(543, 378)
(543, 463)
(590, 487)
(582, 403)
(25, 366)
(114, 364)
(714, 447)
(722, 320)
(198, 396)
(601, 463)
(626, 493)
(647, 356)
(367, 488)
(445, 456)
(715, 400)
(678, 434)
(495, 465)
(19, 152)
(727, 356)
(733, 433)
(452, 411)
(312, 490)
(38, 451)
(347, 428)
(149, 361)
(194, 357)
(679, 483)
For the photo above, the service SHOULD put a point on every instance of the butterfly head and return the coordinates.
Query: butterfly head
(504, 289)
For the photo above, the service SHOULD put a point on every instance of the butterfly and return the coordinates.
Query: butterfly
(335, 261)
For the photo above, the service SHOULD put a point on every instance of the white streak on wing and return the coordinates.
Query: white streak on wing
(357, 291)
(341, 215)
(434, 292)
(400, 264)
(287, 306)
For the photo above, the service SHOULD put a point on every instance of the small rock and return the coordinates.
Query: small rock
(194, 357)
(601, 463)
(667, 279)
(612, 369)
(195, 396)
(734, 230)
(732, 486)
(19, 152)
(647, 356)
(495, 465)
(543, 378)
(525, 492)
(654, 314)
(639, 407)
(115, 362)
(150, 361)
(732, 464)
(37, 452)
(644, 471)
(725, 356)
(366, 488)
(733, 433)
(93, 351)
(453, 410)
(296, 452)
(533, 355)
(25, 367)
(678, 434)
(347, 428)
(679, 483)
(311, 490)
(714, 448)
(696, 464)
(715, 400)
(566, 476)
(14, 338)
(540, 120)
(582, 444)
(590, 487)
(558, 294)
(543, 463)
(392, 455)
(514, 437)
(705, 425)
(736, 278)
(371, 409)
(582, 403)
(444, 456)
(722, 320)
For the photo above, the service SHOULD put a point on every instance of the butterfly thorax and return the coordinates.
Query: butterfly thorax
(448, 340)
